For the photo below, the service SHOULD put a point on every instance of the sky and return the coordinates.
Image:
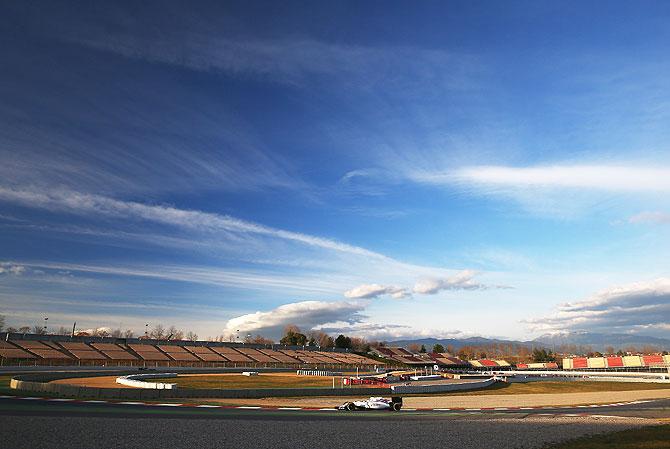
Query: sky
(380, 169)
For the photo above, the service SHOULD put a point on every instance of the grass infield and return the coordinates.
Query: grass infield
(263, 380)
(651, 437)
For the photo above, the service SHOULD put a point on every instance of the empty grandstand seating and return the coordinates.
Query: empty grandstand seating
(652, 360)
(60, 350)
(40, 349)
(632, 361)
(629, 361)
(256, 355)
(279, 356)
(82, 351)
(231, 354)
(178, 353)
(9, 351)
(595, 362)
(614, 362)
(205, 354)
(114, 352)
(148, 353)
(580, 362)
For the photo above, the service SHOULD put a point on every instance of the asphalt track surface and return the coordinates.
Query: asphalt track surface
(53, 424)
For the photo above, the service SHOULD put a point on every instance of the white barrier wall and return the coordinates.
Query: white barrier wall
(135, 380)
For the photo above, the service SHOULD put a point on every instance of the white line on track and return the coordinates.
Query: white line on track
(168, 404)
(501, 408)
(473, 409)
(289, 408)
(525, 408)
(131, 403)
(325, 409)
(442, 409)
(95, 402)
(208, 406)
(61, 400)
(248, 407)
(32, 399)
(6, 397)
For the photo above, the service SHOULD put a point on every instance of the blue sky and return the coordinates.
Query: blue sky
(379, 168)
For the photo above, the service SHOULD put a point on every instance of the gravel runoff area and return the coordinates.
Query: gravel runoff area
(36, 432)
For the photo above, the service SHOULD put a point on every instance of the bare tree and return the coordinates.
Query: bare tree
(128, 333)
(192, 336)
(413, 348)
(39, 330)
(116, 333)
(175, 334)
(24, 329)
(158, 332)
(62, 330)
(2, 322)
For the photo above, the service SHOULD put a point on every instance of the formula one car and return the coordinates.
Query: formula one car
(394, 404)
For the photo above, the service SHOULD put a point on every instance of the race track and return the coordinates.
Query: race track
(52, 424)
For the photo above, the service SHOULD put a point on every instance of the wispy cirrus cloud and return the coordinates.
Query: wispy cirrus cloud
(86, 204)
(650, 217)
(376, 290)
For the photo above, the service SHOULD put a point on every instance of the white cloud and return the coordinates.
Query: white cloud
(460, 281)
(611, 178)
(11, 268)
(641, 307)
(376, 290)
(650, 217)
(307, 315)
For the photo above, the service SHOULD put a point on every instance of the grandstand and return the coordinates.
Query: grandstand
(538, 365)
(29, 349)
(447, 360)
(401, 355)
(614, 362)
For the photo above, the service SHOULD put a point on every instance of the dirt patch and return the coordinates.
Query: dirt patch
(98, 382)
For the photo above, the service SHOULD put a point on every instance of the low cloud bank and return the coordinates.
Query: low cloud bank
(640, 307)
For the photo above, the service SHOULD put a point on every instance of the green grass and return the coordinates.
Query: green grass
(651, 437)
(260, 381)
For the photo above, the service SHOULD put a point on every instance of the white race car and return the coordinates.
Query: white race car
(393, 404)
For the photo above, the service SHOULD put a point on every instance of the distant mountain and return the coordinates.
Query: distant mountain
(583, 340)
(457, 343)
(598, 342)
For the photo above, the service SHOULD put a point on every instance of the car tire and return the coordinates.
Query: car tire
(351, 407)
